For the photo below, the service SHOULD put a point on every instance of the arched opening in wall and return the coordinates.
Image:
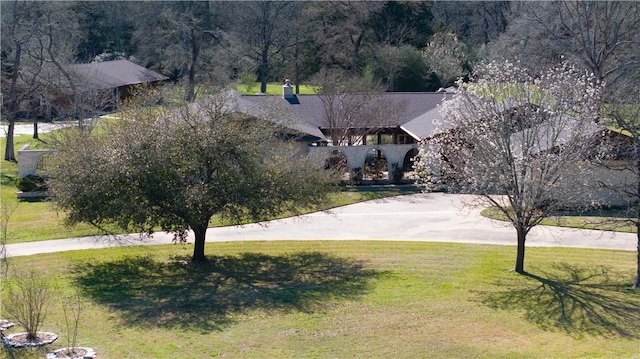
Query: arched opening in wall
(409, 159)
(375, 166)
(336, 161)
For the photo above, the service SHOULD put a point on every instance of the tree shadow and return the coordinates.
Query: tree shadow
(150, 292)
(579, 301)
(22, 353)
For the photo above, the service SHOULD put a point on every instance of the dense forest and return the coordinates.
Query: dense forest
(403, 46)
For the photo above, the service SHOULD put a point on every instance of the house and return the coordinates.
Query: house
(357, 131)
(48, 92)
(113, 81)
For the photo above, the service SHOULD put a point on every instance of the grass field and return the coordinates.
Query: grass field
(345, 300)
(616, 220)
(330, 299)
(272, 89)
(37, 221)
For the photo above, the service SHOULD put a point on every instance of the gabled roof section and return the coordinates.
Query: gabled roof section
(258, 105)
(422, 127)
(414, 112)
(112, 74)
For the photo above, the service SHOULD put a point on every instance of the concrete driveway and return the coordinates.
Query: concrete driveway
(434, 217)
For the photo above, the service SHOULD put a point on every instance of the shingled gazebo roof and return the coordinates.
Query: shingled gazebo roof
(113, 74)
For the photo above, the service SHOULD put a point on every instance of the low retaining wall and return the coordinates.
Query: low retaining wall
(356, 155)
(28, 160)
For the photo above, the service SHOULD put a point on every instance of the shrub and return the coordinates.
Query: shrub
(28, 297)
(398, 173)
(356, 176)
(32, 183)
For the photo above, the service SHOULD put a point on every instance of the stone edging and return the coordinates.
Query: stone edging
(52, 338)
(89, 353)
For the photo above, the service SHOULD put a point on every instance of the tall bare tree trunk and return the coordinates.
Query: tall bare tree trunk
(522, 237)
(266, 43)
(190, 92)
(636, 285)
(9, 150)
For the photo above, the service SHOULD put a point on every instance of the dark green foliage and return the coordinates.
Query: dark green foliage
(32, 183)
(398, 173)
(176, 170)
(403, 22)
(105, 29)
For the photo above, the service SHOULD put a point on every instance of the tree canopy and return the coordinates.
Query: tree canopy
(175, 169)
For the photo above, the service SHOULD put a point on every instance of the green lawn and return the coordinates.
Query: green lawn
(37, 221)
(272, 88)
(606, 220)
(350, 299)
(331, 299)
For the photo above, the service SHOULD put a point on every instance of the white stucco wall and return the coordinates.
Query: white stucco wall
(598, 185)
(28, 160)
(356, 155)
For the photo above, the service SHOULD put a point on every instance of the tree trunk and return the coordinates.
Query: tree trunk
(356, 52)
(636, 285)
(9, 153)
(265, 45)
(264, 69)
(190, 93)
(200, 234)
(522, 237)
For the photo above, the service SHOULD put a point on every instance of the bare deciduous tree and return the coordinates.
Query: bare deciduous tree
(601, 35)
(341, 34)
(516, 141)
(624, 113)
(29, 296)
(352, 107)
(5, 214)
(181, 39)
(268, 28)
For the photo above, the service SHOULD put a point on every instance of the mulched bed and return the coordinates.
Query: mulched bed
(78, 353)
(19, 340)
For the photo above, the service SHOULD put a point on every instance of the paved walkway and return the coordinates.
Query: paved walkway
(432, 217)
(27, 129)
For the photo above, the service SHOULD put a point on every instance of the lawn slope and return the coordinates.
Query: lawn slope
(346, 299)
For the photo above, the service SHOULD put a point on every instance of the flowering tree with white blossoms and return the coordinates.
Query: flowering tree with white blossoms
(520, 142)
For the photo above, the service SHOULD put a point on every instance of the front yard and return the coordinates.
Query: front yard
(344, 299)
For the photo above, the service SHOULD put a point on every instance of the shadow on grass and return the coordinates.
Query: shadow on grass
(579, 301)
(24, 353)
(175, 294)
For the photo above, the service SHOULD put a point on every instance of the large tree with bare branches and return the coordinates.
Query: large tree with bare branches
(623, 113)
(353, 107)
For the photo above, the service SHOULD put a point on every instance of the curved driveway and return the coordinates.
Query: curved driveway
(432, 217)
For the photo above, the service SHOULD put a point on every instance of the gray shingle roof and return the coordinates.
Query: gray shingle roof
(112, 74)
(415, 111)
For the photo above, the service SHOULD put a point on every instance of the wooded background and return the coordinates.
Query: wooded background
(406, 46)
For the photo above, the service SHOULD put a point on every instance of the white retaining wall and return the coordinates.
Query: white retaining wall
(28, 160)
